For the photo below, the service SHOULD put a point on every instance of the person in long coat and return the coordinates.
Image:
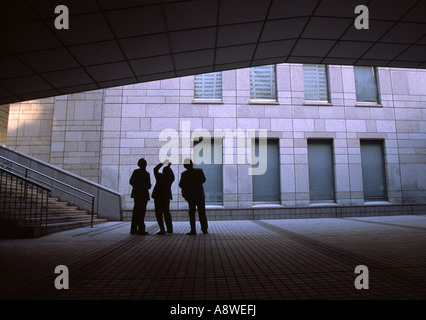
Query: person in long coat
(141, 183)
(191, 183)
(162, 194)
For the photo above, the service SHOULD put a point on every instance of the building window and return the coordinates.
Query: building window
(321, 171)
(208, 86)
(373, 170)
(266, 186)
(208, 156)
(263, 83)
(366, 84)
(316, 82)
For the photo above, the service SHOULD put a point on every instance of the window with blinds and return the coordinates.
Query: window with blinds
(208, 156)
(208, 86)
(366, 84)
(263, 83)
(266, 187)
(316, 82)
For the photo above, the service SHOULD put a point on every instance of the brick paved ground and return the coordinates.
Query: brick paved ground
(248, 260)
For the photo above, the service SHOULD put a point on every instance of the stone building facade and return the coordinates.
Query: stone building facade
(339, 143)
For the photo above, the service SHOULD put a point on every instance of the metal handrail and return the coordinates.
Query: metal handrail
(29, 182)
(25, 179)
(27, 169)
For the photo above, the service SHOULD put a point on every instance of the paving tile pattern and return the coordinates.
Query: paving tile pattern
(287, 259)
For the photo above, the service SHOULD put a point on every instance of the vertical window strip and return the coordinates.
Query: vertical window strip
(373, 170)
(366, 84)
(208, 156)
(266, 186)
(263, 83)
(208, 86)
(316, 82)
(321, 170)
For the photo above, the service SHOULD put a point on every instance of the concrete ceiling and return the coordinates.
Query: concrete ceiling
(112, 43)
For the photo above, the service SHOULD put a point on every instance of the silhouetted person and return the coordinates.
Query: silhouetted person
(162, 194)
(191, 183)
(141, 183)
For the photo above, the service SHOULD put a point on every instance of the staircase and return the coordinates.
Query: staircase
(27, 210)
(61, 217)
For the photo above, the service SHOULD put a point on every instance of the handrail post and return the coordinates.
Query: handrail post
(93, 209)
(47, 206)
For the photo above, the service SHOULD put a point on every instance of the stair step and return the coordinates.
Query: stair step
(57, 227)
(66, 211)
(29, 231)
(66, 208)
(68, 218)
